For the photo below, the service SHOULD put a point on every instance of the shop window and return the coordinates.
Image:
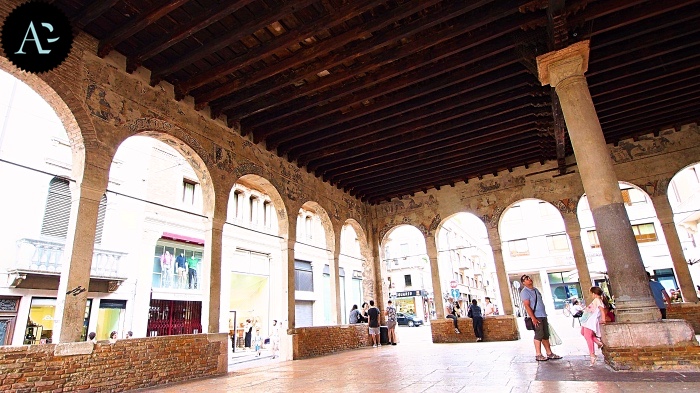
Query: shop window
(518, 247)
(57, 210)
(172, 317)
(666, 277)
(176, 265)
(558, 242)
(304, 313)
(110, 318)
(39, 329)
(303, 276)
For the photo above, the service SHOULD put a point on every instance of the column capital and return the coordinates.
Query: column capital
(554, 67)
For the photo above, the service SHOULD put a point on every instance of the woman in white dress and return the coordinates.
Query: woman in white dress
(591, 319)
(275, 338)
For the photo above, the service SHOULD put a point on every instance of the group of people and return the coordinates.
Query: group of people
(453, 311)
(370, 315)
(113, 336)
(253, 338)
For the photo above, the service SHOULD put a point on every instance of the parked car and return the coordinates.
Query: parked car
(408, 319)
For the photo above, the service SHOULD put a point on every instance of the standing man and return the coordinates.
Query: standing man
(660, 295)
(373, 316)
(489, 309)
(534, 306)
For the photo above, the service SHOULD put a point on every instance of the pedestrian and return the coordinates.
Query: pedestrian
(91, 337)
(257, 339)
(365, 307)
(391, 322)
(113, 337)
(129, 334)
(534, 307)
(373, 316)
(477, 320)
(275, 338)
(489, 308)
(593, 316)
(355, 316)
(451, 312)
(660, 295)
(248, 329)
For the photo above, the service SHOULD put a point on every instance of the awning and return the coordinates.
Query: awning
(181, 238)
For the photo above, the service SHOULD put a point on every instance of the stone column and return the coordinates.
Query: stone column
(335, 276)
(573, 230)
(374, 290)
(431, 249)
(664, 212)
(76, 262)
(213, 240)
(564, 70)
(288, 258)
(503, 282)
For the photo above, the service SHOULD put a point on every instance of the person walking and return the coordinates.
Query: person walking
(489, 308)
(391, 322)
(593, 316)
(534, 307)
(477, 320)
(660, 295)
(373, 316)
(451, 312)
(275, 338)
(248, 329)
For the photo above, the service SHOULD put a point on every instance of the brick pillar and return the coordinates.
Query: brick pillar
(213, 240)
(564, 70)
(573, 230)
(503, 283)
(76, 262)
(431, 249)
(664, 212)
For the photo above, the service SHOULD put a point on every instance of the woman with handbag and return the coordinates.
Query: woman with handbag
(592, 317)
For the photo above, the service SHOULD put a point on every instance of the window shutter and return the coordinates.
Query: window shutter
(101, 211)
(57, 210)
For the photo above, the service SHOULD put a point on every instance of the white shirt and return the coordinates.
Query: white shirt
(489, 310)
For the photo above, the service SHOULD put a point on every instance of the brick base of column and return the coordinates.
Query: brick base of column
(669, 345)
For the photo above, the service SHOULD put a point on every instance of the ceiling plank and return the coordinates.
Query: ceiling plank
(91, 12)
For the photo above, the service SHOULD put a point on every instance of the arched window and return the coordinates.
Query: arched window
(57, 210)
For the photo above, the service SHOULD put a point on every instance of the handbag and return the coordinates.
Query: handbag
(528, 321)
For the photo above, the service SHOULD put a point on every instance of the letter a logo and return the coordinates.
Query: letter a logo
(37, 37)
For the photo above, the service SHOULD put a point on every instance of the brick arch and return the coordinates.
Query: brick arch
(256, 181)
(72, 114)
(365, 250)
(325, 222)
(174, 139)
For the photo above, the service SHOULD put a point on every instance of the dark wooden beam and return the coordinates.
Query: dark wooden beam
(137, 24)
(325, 47)
(248, 28)
(92, 12)
(341, 15)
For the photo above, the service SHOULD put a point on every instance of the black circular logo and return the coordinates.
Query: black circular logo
(36, 37)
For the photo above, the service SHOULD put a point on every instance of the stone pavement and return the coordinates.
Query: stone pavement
(418, 365)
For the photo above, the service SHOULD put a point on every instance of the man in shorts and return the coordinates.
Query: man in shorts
(534, 307)
(391, 322)
(373, 315)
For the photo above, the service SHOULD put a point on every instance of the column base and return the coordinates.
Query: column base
(637, 310)
(668, 345)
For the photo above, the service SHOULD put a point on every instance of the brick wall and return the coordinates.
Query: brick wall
(500, 328)
(688, 311)
(125, 365)
(682, 357)
(323, 340)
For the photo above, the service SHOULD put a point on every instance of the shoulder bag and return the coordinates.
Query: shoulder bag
(528, 321)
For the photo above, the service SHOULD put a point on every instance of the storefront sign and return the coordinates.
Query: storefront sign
(409, 293)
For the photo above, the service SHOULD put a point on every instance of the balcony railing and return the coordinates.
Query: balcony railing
(44, 257)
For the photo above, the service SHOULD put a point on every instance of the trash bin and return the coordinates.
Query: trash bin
(384, 335)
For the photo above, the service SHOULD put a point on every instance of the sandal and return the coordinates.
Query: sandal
(541, 358)
(553, 356)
